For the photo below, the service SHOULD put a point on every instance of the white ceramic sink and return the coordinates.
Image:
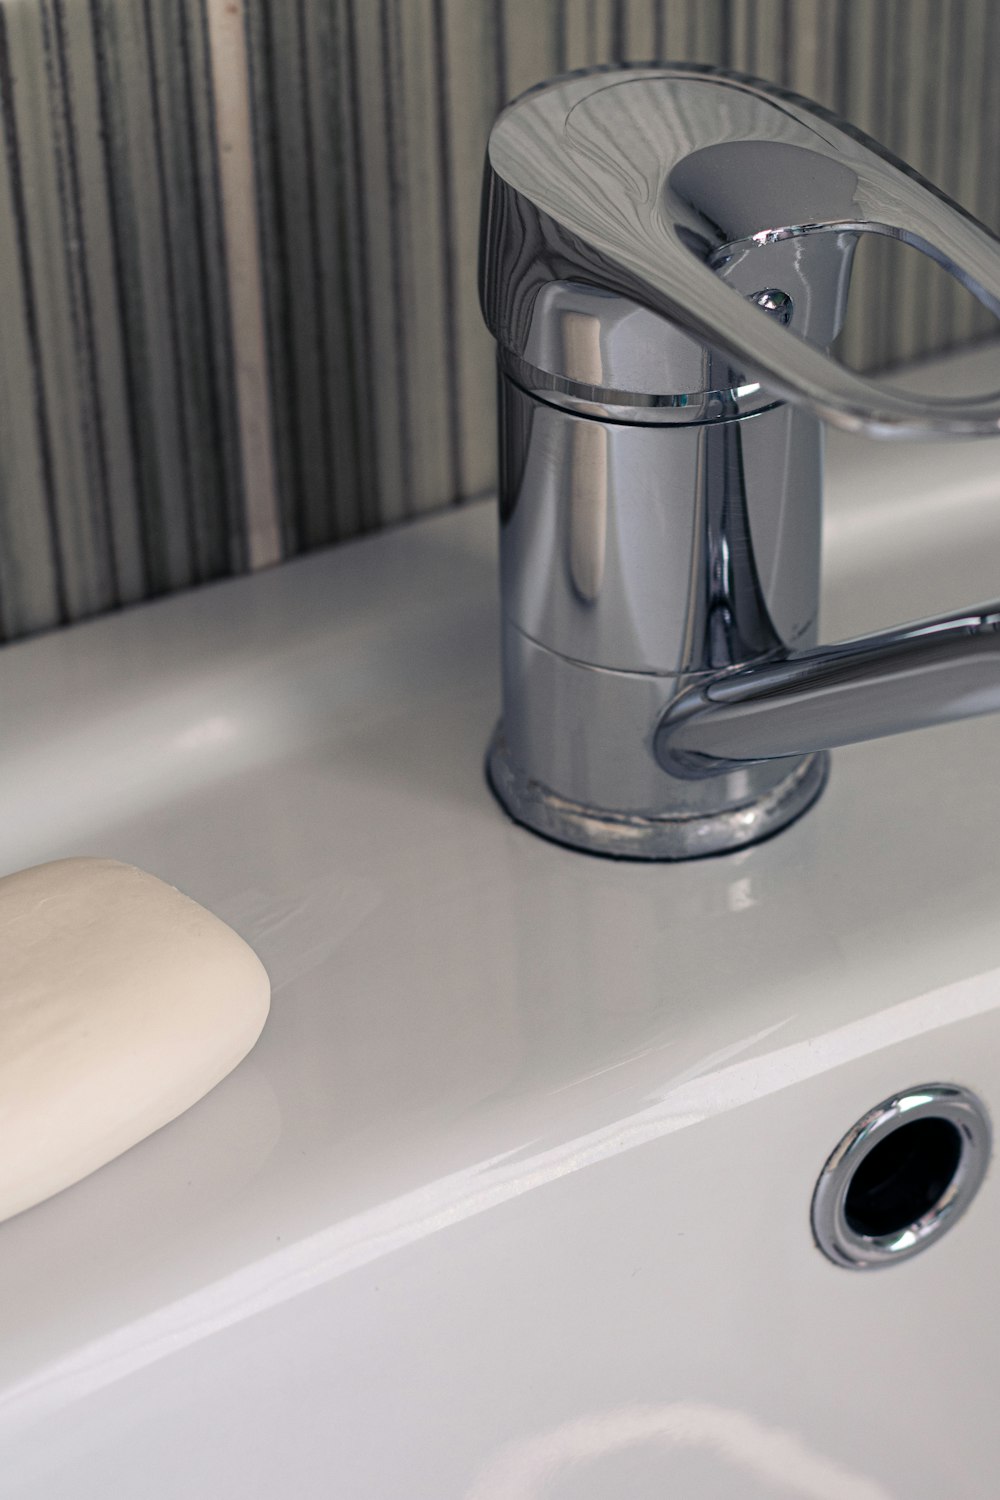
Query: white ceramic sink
(512, 1198)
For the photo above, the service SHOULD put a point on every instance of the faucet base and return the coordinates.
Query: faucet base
(638, 836)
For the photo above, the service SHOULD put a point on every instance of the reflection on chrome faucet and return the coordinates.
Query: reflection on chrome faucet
(666, 257)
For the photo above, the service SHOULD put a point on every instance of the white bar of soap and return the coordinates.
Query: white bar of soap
(122, 1002)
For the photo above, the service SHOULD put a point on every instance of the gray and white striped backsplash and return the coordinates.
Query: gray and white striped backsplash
(238, 247)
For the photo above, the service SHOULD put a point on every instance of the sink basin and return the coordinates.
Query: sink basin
(512, 1197)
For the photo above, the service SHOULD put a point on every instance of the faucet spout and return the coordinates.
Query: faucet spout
(913, 677)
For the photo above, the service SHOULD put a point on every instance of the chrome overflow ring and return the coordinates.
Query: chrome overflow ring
(901, 1176)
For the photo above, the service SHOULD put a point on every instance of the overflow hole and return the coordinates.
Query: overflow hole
(904, 1176)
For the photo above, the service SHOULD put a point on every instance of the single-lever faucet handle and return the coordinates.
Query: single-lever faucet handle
(662, 184)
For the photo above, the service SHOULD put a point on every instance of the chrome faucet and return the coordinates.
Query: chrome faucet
(666, 258)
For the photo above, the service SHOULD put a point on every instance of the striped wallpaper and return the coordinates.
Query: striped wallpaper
(238, 246)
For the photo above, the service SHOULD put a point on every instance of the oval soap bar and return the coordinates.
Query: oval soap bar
(122, 1002)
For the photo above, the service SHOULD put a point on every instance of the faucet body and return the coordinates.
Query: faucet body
(631, 572)
(666, 257)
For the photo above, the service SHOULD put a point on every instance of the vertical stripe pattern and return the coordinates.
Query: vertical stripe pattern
(238, 244)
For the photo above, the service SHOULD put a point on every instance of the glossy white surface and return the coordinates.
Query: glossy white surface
(512, 1197)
